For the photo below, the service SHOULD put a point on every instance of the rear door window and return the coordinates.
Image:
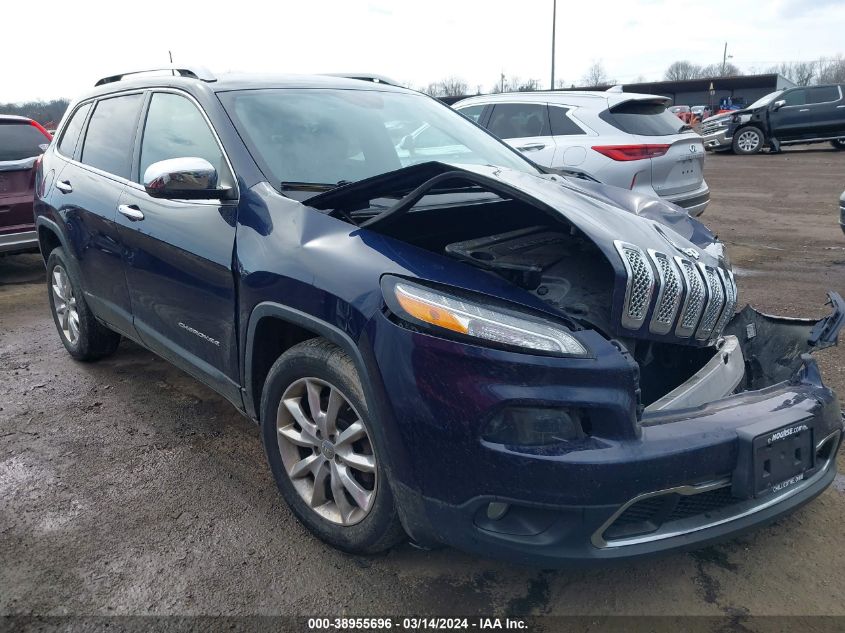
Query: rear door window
(111, 134)
(19, 140)
(644, 118)
(67, 145)
(519, 120)
(562, 125)
(823, 94)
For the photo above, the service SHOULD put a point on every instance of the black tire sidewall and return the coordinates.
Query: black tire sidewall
(744, 130)
(319, 359)
(94, 340)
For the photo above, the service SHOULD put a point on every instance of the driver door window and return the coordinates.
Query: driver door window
(175, 128)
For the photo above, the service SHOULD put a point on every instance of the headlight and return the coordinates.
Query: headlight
(494, 325)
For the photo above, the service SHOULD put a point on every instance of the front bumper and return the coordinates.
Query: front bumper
(721, 138)
(564, 499)
(18, 242)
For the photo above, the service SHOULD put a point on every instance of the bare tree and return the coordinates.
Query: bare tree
(682, 70)
(48, 113)
(720, 70)
(596, 75)
(801, 73)
(432, 89)
(560, 84)
(453, 87)
(832, 70)
(529, 86)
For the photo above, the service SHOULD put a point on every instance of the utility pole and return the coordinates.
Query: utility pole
(554, 21)
(502, 79)
(724, 59)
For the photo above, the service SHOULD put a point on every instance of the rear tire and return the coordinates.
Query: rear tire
(838, 143)
(747, 140)
(84, 337)
(336, 487)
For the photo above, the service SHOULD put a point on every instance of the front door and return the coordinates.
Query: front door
(178, 253)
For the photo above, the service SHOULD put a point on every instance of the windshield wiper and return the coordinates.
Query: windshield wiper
(293, 185)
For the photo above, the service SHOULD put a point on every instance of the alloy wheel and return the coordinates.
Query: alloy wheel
(326, 451)
(64, 305)
(748, 141)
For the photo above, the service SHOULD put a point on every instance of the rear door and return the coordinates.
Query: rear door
(21, 141)
(827, 112)
(179, 253)
(526, 127)
(571, 140)
(87, 191)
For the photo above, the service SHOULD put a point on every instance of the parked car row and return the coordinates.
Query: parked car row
(440, 337)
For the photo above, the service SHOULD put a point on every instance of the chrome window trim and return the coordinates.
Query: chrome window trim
(745, 507)
(656, 326)
(138, 186)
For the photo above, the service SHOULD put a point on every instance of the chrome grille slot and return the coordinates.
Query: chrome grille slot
(639, 286)
(668, 295)
(693, 299)
(730, 301)
(715, 302)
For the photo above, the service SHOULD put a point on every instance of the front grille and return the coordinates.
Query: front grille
(669, 295)
(710, 128)
(694, 299)
(715, 302)
(665, 286)
(639, 287)
(650, 514)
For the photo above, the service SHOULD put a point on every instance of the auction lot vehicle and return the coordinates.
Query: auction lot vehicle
(684, 113)
(804, 115)
(466, 350)
(22, 141)
(627, 140)
(701, 111)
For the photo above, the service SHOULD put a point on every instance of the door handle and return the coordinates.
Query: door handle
(804, 110)
(130, 211)
(842, 106)
(531, 147)
(64, 186)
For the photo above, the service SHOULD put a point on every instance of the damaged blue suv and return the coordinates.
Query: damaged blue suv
(439, 339)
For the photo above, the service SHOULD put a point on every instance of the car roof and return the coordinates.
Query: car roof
(574, 97)
(238, 81)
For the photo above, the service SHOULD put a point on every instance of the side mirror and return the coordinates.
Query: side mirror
(189, 178)
(777, 105)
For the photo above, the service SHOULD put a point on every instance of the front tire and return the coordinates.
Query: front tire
(318, 436)
(747, 140)
(838, 143)
(83, 336)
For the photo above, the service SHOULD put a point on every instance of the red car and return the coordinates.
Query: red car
(22, 141)
(684, 113)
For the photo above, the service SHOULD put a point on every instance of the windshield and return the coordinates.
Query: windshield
(326, 136)
(765, 100)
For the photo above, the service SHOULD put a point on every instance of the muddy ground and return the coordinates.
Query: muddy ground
(126, 487)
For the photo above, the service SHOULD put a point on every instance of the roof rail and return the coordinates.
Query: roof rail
(194, 72)
(376, 79)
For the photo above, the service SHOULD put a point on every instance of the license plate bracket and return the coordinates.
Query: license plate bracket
(772, 461)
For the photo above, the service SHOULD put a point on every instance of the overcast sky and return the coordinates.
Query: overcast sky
(413, 41)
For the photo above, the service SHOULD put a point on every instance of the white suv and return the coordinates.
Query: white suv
(623, 139)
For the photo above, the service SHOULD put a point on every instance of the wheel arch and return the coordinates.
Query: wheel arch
(49, 237)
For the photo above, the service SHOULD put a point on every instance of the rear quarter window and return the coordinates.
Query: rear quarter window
(644, 118)
(20, 140)
(67, 145)
(562, 125)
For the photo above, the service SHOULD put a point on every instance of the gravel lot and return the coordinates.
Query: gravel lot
(126, 487)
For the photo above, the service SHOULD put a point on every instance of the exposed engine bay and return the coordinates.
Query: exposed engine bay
(654, 282)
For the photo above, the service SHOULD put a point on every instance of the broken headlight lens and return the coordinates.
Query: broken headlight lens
(439, 310)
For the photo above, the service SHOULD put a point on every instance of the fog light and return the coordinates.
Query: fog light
(529, 426)
(496, 510)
